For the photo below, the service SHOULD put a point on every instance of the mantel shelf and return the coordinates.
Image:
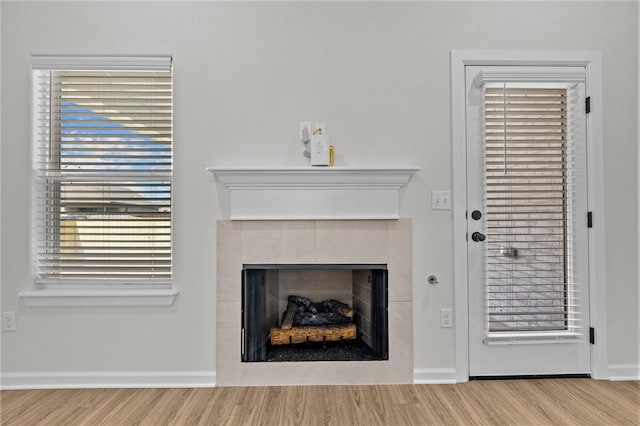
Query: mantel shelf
(309, 193)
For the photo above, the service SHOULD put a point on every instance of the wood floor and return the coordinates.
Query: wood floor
(516, 402)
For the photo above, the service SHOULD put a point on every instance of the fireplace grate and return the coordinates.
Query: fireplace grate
(352, 350)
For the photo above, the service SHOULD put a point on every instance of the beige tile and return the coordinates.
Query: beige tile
(401, 339)
(400, 282)
(291, 373)
(343, 241)
(229, 260)
(400, 261)
(228, 357)
(278, 242)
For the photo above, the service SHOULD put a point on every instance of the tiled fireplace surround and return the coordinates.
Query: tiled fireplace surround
(313, 242)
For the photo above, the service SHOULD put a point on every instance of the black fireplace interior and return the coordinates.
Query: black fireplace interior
(314, 313)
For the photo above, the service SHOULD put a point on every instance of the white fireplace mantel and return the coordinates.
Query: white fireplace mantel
(314, 193)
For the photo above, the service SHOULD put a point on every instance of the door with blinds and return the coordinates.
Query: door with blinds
(527, 221)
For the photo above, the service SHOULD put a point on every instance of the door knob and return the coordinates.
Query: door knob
(478, 237)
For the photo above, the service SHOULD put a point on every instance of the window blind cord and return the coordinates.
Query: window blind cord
(504, 124)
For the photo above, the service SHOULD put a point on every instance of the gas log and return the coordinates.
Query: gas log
(306, 321)
(287, 317)
(313, 334)
(326, 306)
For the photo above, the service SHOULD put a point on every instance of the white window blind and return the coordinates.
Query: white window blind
(530, 217)
(102, 165)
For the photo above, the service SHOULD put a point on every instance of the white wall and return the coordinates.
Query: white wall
(245, 75)
(638, 204)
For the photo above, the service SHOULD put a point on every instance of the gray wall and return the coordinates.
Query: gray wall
(245, 75)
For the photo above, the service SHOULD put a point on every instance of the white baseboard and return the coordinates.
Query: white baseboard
(206, 379)
(430, 376)
(107, 379)
(624, 372)
(448, 375)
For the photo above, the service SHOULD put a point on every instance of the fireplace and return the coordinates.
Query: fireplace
(317, 312)
(335, 257)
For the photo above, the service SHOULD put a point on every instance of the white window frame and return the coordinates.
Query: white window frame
(597, 271)
(92, 295)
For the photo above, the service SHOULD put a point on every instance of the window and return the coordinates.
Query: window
(529, 184)
(102, 172)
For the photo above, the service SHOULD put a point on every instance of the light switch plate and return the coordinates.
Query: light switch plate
(440, 200)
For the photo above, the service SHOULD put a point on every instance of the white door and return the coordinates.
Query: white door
(527, 221)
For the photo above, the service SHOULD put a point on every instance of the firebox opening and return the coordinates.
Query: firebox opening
(314, 313)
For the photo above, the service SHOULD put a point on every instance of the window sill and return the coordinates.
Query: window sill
(117, 297)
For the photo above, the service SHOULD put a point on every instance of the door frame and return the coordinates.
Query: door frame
(592, 61)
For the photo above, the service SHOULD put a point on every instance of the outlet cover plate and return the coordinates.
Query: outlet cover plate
(446, 318)
(9, 321)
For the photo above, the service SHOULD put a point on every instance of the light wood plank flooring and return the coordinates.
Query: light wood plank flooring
(515, 402)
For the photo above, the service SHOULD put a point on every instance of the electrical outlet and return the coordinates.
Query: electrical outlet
(446, 318)
(9, 321)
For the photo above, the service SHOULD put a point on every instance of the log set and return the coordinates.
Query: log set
(330, 333)
(306, 321)
(305, 305)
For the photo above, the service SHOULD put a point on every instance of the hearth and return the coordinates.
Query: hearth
(326, 312)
